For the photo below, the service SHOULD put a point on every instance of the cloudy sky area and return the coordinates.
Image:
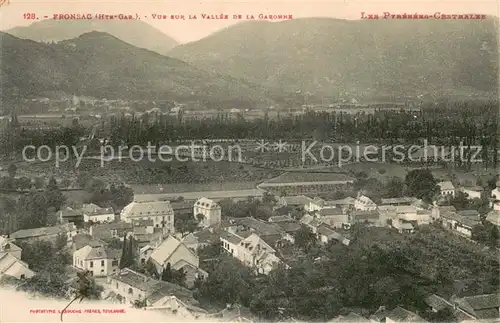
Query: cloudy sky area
(11, 15)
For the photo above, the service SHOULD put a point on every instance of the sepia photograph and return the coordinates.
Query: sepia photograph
(249, 161)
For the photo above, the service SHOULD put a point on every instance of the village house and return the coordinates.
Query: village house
(289, 228)
(14, 267)
(46, 233)
(325, 234)
(472, 192)
(397, 201)
(128, 286)
(370, 218)
(70, 215)
(179, 256)
(110, 231)
(447, 188)
(94, 213)
(481, 307)
(208, 211)
(493, 216)
(471, 214)
(495, 194)
(233, 313)
(364, 203)
(400, 314)
(351, 317)
(100, 261)
(7, 246)
(436, 211)
(454, 222)
(311, 222)
(437, 303)
(251, 250)
(299, 201)
(403, 226)
(201, 239)
(270, 233)
(280, 219)
(81, 240)
(333, 217)
(345, 204)
(160, 212)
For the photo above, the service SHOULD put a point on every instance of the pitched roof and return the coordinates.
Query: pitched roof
(469, 213)
(398, 200)
(207, 236)
(166, 249)
(8, 246)
(330, 211)
(206, 203)
(255, 244)
(289, 227)
(345, 201)
(231, 238)
(296, 200)
(400, 314)
(8, 261)
(437, 302)
(279, 218)
(46, 231)
(446, 186)
(365, 200)
(493, 217)
(261, 227)
(362, 216)
(69, 212)
(291, 178)
(481, 306)
(147, 208)
(94, 253)
(82, 240)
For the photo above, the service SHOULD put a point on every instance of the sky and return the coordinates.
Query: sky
(12, 14)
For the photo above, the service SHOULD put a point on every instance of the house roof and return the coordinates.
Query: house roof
(405, 209)
(94, 253)
(362, 216)
(289, 227)
(207, 236)
(472, 188)
(280, 218)
(400, 314)
(296, 200)
(82, 240)
(469, 213)
(446, 186)
(256, 244)
(481, 306)
(166, 249)
(325, 230)
(147, 208)
(261, 227)
(330, 211)
(207, 203)
(231, 238)
(234, 314)
(437, 302)
(137, 280)
(93, 209)
(7, 261)
(493, 217)
(169, 289)
(47, 231)
(8, 246)
(345, 201)
(365, 200)
(398, 200)
(69, 212)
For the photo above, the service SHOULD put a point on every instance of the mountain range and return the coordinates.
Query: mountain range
(99, 65)
(363, 57)
(257, 61)
(134, 32)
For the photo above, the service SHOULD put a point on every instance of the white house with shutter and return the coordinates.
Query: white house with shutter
(97, 259)
(210, 210)
(160, 212)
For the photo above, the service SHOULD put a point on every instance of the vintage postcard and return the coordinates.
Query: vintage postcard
(249, 161)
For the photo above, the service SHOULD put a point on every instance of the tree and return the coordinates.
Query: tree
(150, 268)
(61, 242)
(421, 184)
(124, 260)
(304, 238)
(179, 277)
(55, 198)
(441, 316)
(395, 187)
(167, 274)
(12, 170)
(493, 236)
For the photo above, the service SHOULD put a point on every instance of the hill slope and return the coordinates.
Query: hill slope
(363, 57)
(134, 32)
(100, 65)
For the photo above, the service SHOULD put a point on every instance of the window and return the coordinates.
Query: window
(116, 285)
(130, 291)
(102, 263)
(91, 264)
(114, 263)
(23, 276)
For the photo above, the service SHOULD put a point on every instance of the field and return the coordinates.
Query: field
(147, 172)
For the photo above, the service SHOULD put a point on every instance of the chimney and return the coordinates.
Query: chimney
(228, 306)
